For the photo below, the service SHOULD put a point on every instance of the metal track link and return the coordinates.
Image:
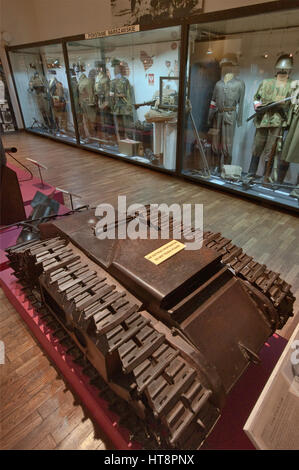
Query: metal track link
(159, 376)
(33, 258)
(267, 282)
(137, 428)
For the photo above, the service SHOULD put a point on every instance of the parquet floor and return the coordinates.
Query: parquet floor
(37, 410)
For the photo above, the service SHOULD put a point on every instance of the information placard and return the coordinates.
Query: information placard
(113, 31)
(273, 422)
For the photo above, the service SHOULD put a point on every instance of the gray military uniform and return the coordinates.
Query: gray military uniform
(226, 110)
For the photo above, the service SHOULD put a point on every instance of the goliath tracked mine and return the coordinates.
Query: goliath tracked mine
(170, 339)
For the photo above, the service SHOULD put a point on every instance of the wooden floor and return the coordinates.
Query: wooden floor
(37, 410)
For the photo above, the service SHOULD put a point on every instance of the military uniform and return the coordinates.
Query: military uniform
(102, 91)
(290, 149)
(58, 103)
(87, 102)
(269, 125)
(226, 110)
(122, 104)
(38, 85)
(75, 92)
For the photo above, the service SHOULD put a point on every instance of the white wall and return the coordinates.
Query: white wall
(19, 19)
(39, 20)
(58, 18)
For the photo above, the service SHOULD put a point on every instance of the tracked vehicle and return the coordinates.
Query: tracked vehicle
(172, 338)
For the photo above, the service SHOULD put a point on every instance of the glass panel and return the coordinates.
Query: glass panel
(7, 117)
(237, 68)
(126, 94)
(42, 86)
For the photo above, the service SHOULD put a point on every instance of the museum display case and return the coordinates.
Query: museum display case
(7, 117)
(242, 96)
(125, 90)
(42, 86)
(214, 99)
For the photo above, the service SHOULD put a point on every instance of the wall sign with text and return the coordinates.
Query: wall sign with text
(113, 31)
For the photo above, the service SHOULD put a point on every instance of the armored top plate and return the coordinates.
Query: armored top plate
(125, 259)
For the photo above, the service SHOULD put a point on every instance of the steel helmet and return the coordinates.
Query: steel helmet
(284, 62)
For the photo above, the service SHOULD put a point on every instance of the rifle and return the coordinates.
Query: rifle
(146, 103)
(198, 139)
(264, 108)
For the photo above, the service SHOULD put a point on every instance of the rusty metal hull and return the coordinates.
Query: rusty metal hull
(172, 339)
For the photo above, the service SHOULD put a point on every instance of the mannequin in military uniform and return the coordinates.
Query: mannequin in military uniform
(102, 92)
(290, 150)
(226, 110)
(40, 89)
(271, 123)
(58, 102)
(121, 100)
(75, 92)
(87, 102)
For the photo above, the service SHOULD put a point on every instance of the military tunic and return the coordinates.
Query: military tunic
(226, 110)
(122, 105)
(37, 84)
(102, 91)
(59, 103)
(87, 101)
(122, 102)
(272, 90)
(75, 92)
(268, 136)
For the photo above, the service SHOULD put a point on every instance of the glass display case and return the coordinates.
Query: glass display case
(233, 115)
(125, 91)
(7, 117)
(42, 86)
(242, 106)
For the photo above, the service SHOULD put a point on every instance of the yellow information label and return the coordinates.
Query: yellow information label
(165, 252)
